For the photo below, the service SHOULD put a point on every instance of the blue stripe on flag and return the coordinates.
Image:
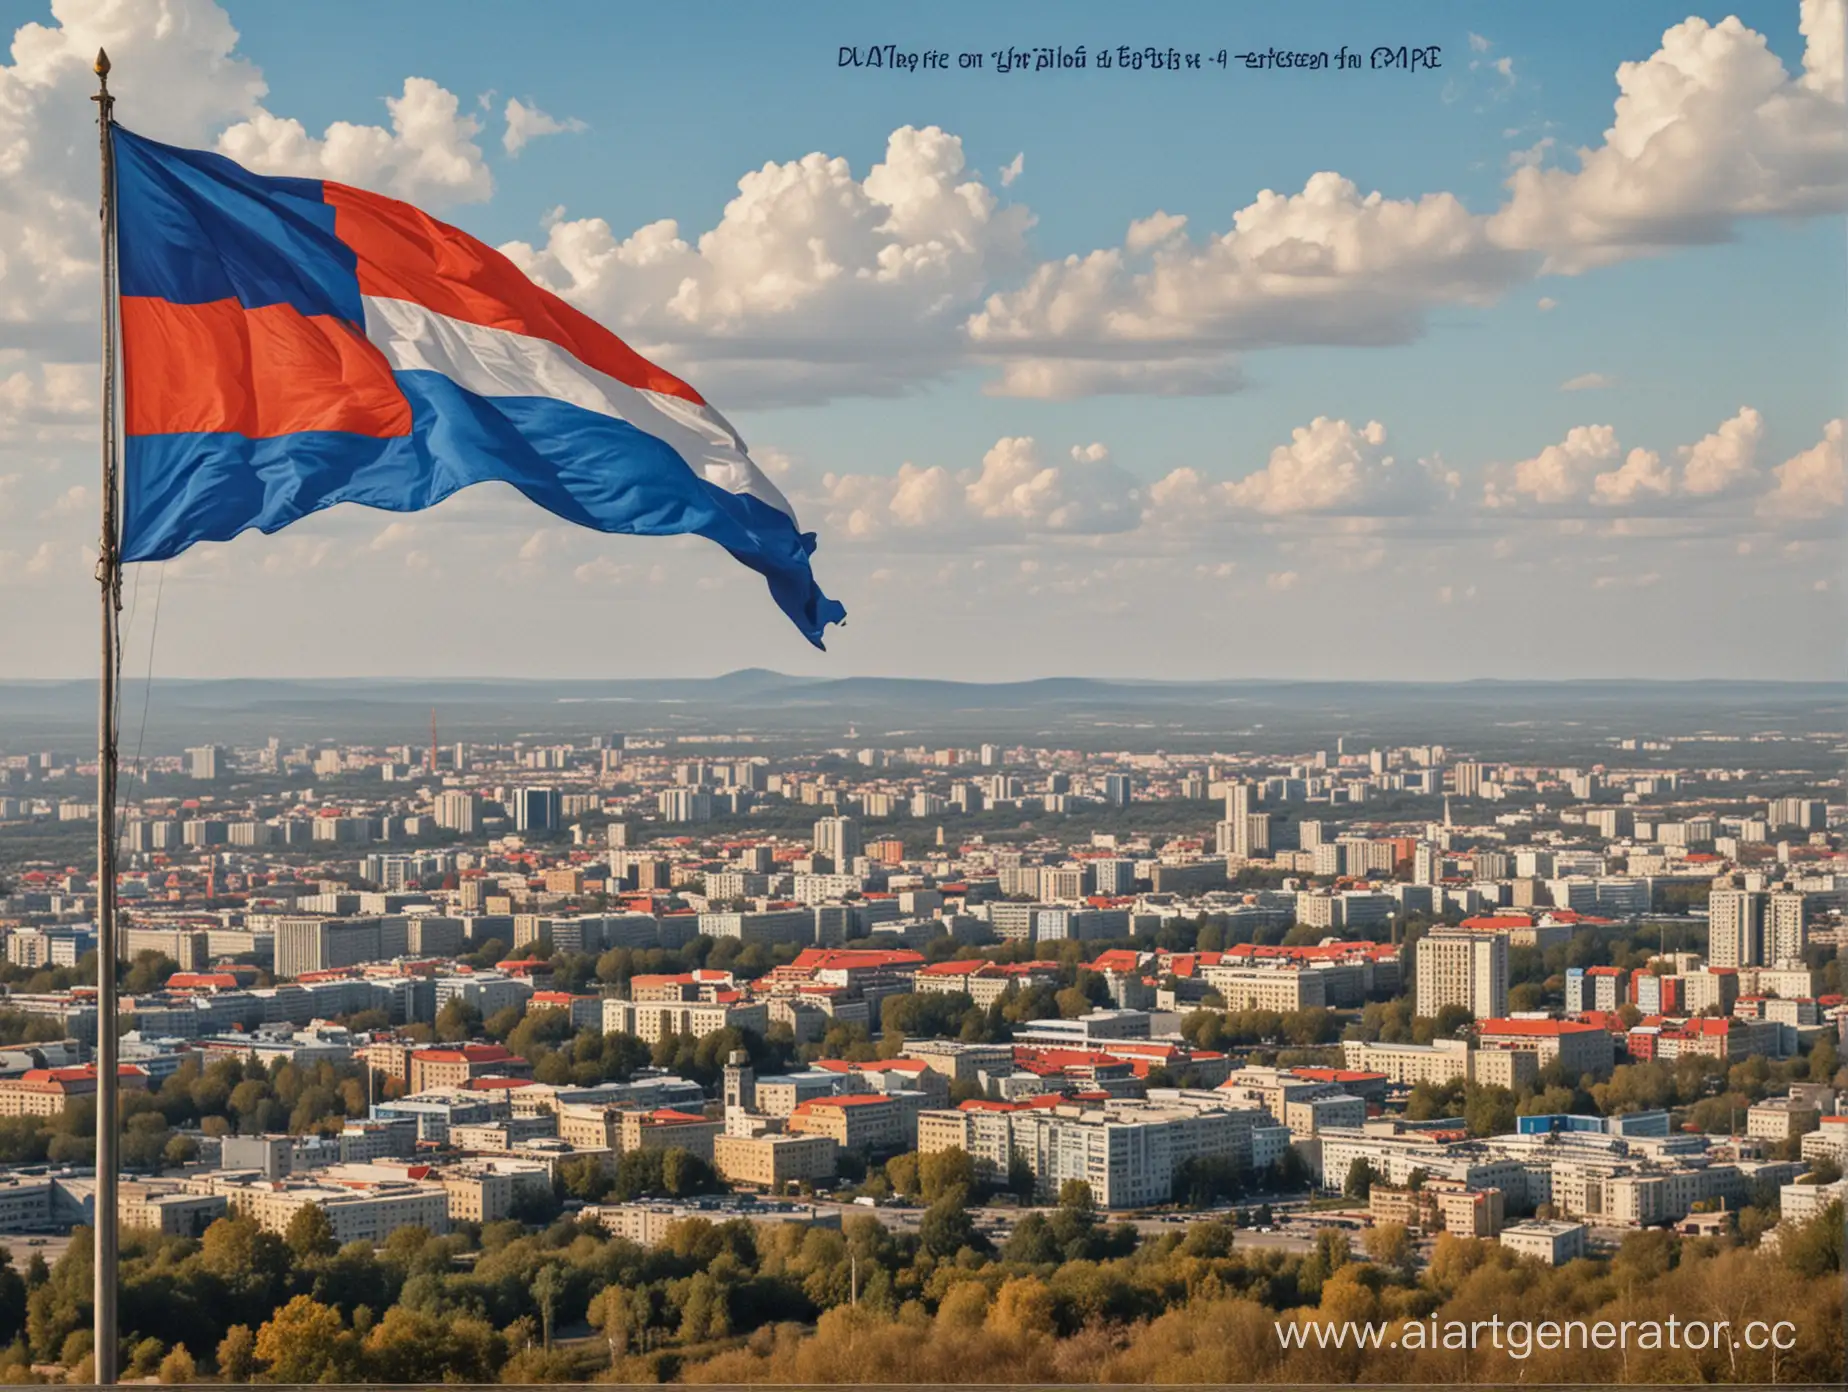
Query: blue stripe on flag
(586, 468)
(194, 227)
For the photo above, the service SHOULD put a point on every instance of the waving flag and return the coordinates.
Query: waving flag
(289, 344)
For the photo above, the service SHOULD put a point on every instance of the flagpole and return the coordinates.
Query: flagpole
(109, 577)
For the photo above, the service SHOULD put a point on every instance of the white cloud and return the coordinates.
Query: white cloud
(1808, 484)
(393, 534)
(527, 123)
(1145, 234)
(1013, 169)
(1546, 303)
(1642, 475)
(1727, 459)
(1280, 580)
(429, 155)
(73, 501)
(794, 294)
(1015, 492)
(1588, 381)
(1329, 467)
(1088, 495)
(1559, 473)
(1708, 130)
(1326, 265)
(48, 403)
(1591, 468)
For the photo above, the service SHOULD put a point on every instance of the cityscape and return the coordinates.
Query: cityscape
(954, 696)
(750, 1054)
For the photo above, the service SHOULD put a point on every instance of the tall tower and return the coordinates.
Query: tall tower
(432, 739)
(740, 1083)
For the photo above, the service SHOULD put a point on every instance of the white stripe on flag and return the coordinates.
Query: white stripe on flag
(497, 362)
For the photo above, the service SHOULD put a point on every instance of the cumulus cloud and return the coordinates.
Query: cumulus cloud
(1642, 475)
(1089, 494)
(1808, 484)
(1016, 491)
(526, 123)
(1591, 467)
(1147, 233)
(1559, 473)
(428, 156)
(47, 401)
(1326, 265)
(1726, 460)
(1329, 467)
(794, 294)
(1013, 169)
(1709, 129)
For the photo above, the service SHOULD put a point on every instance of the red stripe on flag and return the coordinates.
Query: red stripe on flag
(405, 254)
(252, 372)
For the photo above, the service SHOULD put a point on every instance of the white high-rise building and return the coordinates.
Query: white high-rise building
(1457, 966)
(457, 811)
(838, 838)
(1248, 828)
(1786, 926)
(204, 762)
(1736, 927)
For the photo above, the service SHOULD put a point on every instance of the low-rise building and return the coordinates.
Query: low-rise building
(1554, 1243)
(771, 1161)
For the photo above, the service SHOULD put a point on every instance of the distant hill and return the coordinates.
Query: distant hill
(1090, 711)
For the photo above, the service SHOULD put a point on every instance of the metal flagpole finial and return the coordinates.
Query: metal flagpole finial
(102, 64)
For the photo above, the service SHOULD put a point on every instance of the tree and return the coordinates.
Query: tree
(306, 1341)
(946, 1228)
(457, 1022)
(145, 1355)
(1075, 1195)
(946, 1174)
(1361, 1177)
(1390, 1245)
(178, 1366)
(902, 1173)
(311, 1232)
(548, 1285)
(237, 1354)
(415, 1346)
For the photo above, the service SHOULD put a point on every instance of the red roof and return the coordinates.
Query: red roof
(464, 1053)
(1537, 1029)
(963, 968)
(849, 959)
(861, 1099)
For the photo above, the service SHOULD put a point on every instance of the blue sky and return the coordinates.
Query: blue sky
(1720, 302)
